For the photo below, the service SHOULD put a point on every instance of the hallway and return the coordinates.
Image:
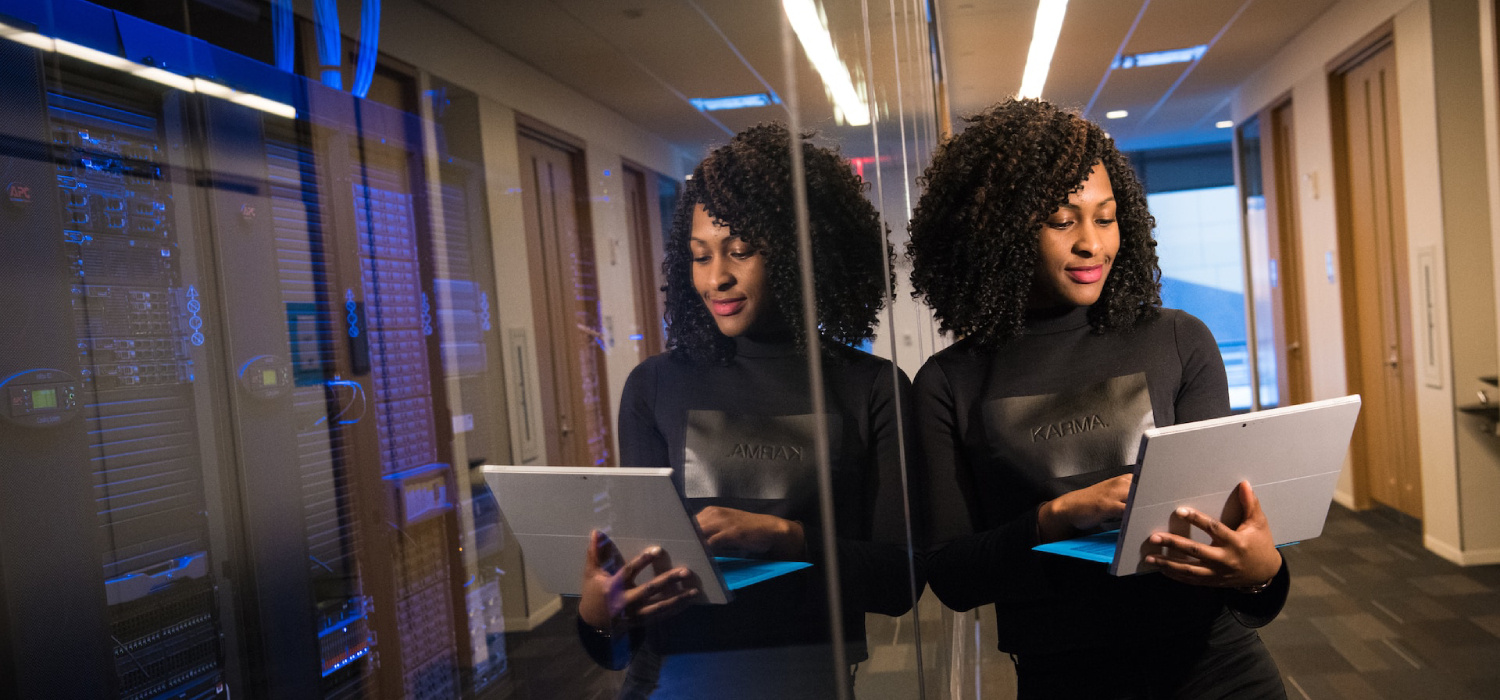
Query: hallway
(1374, 615)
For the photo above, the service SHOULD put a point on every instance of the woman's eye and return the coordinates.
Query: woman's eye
(700, 259)
(1104, 222)
(1060, 225)
(742, 254)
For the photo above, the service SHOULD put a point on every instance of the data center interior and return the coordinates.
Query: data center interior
(282, 275)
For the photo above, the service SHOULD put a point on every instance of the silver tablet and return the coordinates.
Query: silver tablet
(553, 510)
(1292, 457)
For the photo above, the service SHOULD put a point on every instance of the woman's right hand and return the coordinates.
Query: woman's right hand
(1084, 509)
(610, 599)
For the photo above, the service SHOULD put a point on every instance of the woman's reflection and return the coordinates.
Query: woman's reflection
(729, 408)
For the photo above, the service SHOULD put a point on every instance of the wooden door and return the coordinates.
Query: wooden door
(1377, 309)
(646, 250)
(1293, 377)
(565, 303)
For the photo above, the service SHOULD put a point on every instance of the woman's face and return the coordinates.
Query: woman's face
(729, 274)
(1077, 245)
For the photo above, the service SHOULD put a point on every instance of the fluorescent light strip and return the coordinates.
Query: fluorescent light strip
(1161, 58)
(156, 75)
(1049, 19)
(807, 21)
(713, 104)
(1116, 114)
(1224, 124)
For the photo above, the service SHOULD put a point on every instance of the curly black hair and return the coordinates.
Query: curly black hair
(747, 186)
(974, 234)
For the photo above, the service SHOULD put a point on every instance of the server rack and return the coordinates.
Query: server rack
(106, 393)
(373, 516)
(237, 321)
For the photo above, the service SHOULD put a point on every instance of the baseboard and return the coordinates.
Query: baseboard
(544, 612)
(526, 623)
(1460, 557)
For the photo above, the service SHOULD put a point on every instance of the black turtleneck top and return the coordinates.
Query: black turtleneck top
(1058, 408)
(740, 435)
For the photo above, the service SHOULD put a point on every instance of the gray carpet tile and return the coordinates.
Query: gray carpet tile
(1374, 615)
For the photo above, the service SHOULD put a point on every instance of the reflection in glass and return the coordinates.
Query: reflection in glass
(1260, 273)
(267, 329)
(1203, 273)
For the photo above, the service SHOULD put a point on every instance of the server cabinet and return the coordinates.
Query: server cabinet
(281, 635)
(339, 255)
(392, 225)
(106, 393)
(46, 489)
(246, 364)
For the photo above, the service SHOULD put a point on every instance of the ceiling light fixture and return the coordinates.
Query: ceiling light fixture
(812, 31)
(157, 75)
(1223, 124)
(1160, 58)
(1116, 114)
(1049, 19)
(714, 104)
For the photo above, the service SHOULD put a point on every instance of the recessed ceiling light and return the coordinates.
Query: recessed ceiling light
(1160, 58)
(1224, 124)
(1116, 114)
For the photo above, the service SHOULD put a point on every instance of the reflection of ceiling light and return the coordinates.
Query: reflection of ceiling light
(1049, 19)
(68, 48)
(712, 104)
(213, 89)
(254, 101)
(172, 80)
(1116, 114)
(32, 39)
(166, 78)
(807, 21)
(1160, 58)
(1224, 124)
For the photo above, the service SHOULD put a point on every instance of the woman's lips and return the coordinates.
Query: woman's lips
(1086, 275)
(727, 307)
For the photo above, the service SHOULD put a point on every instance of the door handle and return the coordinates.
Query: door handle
(1293, 346)
(1392, 361)
(563, 426)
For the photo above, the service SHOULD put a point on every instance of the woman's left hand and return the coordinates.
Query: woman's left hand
(1242, 557)
(730, 529)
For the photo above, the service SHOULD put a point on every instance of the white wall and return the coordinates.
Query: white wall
(1301, 70)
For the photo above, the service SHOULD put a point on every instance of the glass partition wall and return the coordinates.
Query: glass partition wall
(282, 288)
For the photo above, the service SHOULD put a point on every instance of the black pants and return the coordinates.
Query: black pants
(1231, 662)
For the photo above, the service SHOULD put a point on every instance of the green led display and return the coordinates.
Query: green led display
(268, 377)
(44, 398)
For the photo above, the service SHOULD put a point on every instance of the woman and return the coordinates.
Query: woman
(1032, 243)
(736, 374)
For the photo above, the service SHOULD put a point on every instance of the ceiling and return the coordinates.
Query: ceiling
(645, 58)
(1168, 105)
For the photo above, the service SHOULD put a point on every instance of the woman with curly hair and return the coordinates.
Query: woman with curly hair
(729, 408)
(1032, 243)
